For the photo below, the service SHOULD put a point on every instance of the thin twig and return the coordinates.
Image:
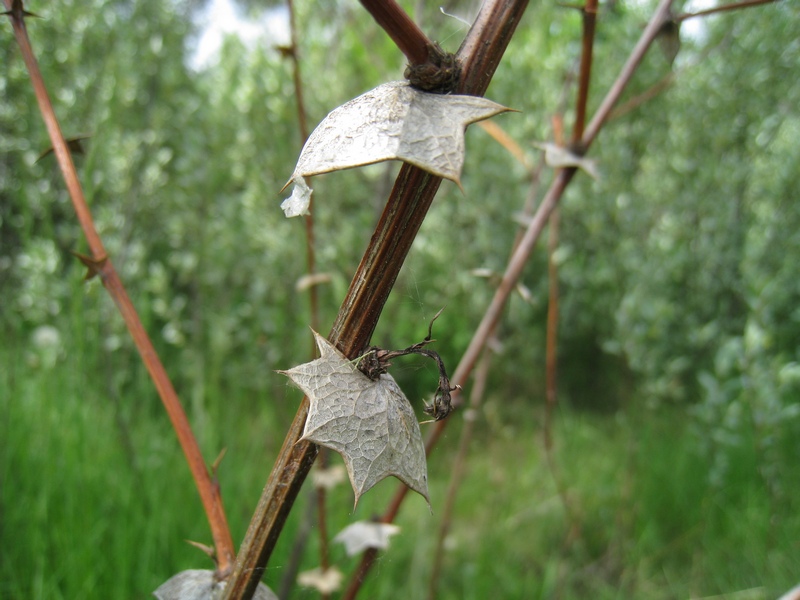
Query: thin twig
(660, 16)
(722, 8)
(401, 28)
(317, 495)
(459, 467)
(308, 219)
(518, 261)
(589, 13)
(551, 350)
(99, 264)
(476, 396)
(653, 91)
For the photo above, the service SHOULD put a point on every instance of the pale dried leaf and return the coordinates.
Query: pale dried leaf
(370, 423)
(307, 281)
(395, 121)
(328, 478)
(483, 272)
(506, 141)
(525, 293)
(297, 204)
(558, 157)
(325, 582)
(201, 584)
(362, 535)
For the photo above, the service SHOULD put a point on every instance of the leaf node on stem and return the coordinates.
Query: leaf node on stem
(375, 361)
(439, 74)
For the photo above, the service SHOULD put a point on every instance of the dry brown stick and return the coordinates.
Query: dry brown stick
(476, 396)
(308, 219)
(99, 264)
(458, 468)
(551, 351)
(401, 28)
(721, 8)
(660, 16)
(319, 495)
(584, 79)
(653, 91)
(520, 257)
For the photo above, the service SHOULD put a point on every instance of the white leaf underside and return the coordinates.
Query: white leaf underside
(370, 423)
(394, 121)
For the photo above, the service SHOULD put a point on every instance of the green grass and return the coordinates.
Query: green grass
(96, 500)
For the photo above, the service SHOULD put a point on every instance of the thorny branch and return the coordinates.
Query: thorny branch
(374, 279)
(722, 8)
(520, 258)
(100, 264)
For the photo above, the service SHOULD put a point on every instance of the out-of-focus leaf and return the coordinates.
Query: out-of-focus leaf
(558, 157)
(307, 281)
(669, 39)
(75, 145)
(361, 535)
(328, 478)
(370, 423)
(201, 584)
(324, 581)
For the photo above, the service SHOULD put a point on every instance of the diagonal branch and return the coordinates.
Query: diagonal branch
(99, 264)
(402, 217)
(722, 8)
(401, 28)
(518, 261)
(589, 13)
(660, 16)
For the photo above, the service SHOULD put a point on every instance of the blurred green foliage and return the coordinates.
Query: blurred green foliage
(679, 278)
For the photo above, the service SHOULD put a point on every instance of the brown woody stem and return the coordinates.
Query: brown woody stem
(589, 20)
(479, 55)
(401, 28)
(358, 316)
(722, 8)
(517, 262)
(101, 265)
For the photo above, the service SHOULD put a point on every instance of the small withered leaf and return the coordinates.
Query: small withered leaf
(370, 423)
(558, 157)
(362, 535)
(325, 581)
